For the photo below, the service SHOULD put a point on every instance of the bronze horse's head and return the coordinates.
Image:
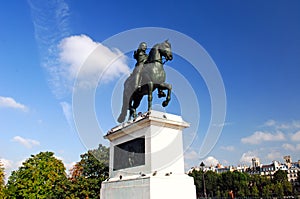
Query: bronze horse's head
(165, 50)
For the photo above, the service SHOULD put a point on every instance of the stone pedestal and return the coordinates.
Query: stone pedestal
(146, 159)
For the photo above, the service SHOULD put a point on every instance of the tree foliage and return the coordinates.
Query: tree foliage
(241, 184)
(197, 175)
(41, 176)
(87, 174)
(280, 176)
(2, 176)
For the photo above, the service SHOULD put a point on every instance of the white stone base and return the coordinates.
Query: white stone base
(161, 174)
(150, 187)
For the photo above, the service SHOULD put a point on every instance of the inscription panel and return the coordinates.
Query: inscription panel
(129, 154)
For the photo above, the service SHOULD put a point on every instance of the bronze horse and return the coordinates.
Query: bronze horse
(153, 76)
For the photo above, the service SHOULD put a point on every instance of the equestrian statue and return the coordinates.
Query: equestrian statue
(148, 75)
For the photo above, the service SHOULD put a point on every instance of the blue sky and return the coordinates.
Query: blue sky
(254, 44)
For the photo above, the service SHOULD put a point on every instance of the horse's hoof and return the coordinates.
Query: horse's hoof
(134, 117)
(165, 103)
(161, 94)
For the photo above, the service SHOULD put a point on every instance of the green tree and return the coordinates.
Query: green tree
(235, 181)
(288, 188)
(226, 183)
(264, 181)
(267, 190)
(280, 181)
(254, 191)
(241, 184)
(2, 176)
(211, 183)
(41, 176)
(278, 190)
(280, 177)
(198, 181)
(297, 186)
(88, 174)
(255, 185)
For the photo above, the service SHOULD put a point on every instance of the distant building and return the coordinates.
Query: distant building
(291, 168)
(293, 173)
(255, 168)
(288, 161)
(222, 170)
(242, 168)
(255, 163)
(268, 169)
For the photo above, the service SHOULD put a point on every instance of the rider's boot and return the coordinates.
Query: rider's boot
(137, 86)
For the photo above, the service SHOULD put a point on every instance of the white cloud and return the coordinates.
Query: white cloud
(282, 125)
(270, 123)
(228, 148)
(50, 20)
(51, 25)
(64, 55)
(296, 124)
(274, 155)
(289, 125)
(7, 164)
(67, 110)
(191, 155)
(211, 161)
(288, 147)
(192, 159)
(83, 59)
(259, 137)
(291, 147)
(10, 165)
(28, 143)
(74, 52)
(69, 166)
(247, 157)
(296, 136)
(19, 163)
(8, 102)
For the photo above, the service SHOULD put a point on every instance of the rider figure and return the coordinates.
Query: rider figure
(141, 57)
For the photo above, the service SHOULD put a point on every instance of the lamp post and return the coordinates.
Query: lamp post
(202, 165)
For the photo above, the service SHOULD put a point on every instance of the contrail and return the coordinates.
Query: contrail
(51, 25)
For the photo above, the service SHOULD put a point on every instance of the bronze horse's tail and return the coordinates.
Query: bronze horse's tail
(122, 116)
(123, 113)
(125, 105)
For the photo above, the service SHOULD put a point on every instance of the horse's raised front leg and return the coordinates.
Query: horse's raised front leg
(150, 90)
(168, 87)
